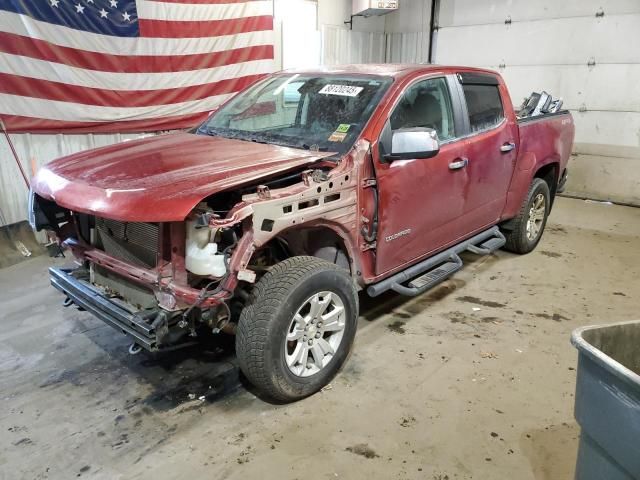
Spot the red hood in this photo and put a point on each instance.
(162, 178)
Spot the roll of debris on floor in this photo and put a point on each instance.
(17, 243)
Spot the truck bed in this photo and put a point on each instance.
(546, 139)
(542, 116)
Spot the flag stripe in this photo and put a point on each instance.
(211, 2)
(18, 123)
(197, 29)
(153, 10)
(43, 50)
(130, 81)
(30, 87)
(127, 65)
(68, 37)
(67, 111)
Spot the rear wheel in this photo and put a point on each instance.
(526, 229)
(298, 328)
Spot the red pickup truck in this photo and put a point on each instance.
(265, 221)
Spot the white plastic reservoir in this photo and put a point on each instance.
(202, 257)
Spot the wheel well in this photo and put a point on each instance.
(319, 242)
(549, 173)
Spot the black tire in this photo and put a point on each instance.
(265, 322)
(518, 240)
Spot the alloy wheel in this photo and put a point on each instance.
(314, 334)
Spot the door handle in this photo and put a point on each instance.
(507, 147)
(459, 163)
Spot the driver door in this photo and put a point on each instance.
(421, 201)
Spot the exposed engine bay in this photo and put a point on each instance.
(176, 281)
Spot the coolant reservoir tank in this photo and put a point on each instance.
(202, 256)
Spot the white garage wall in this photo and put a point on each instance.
(336, 12)
(341, 46)
(407, 32)
(398, 37)
(295, 19)
(364, 43)
(549, 45)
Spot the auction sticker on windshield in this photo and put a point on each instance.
(343, 90)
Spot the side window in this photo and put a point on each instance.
(484, 106)
(426, 104)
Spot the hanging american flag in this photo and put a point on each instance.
(127, 65)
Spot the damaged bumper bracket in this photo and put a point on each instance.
(93, 300)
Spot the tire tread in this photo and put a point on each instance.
(515, 239)
(268, 295)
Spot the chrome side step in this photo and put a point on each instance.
(434, 270)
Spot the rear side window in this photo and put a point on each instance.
(484, 106)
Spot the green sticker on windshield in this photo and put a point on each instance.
(343, 128)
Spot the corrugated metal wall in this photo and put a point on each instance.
(343, 46)
(361, 42)
(410, 47)
(407, 31)
(586, 51)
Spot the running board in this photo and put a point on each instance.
(434, 270)
(490, 246)
(430, 279)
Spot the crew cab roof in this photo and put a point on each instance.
(395, 70)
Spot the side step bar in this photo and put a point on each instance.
(439, 267)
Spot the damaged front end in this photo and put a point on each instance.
(167, 284)
(133, 276)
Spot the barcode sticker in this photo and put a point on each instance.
(343, 90)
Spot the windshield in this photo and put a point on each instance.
(324, 113)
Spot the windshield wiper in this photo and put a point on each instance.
(316, 148)
(236, 135)
(213, 131)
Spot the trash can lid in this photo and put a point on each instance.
(626, 330)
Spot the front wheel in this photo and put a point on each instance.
(298, 328)
(526, 229)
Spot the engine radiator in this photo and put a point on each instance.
(133, 242)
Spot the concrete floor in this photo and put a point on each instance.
(472, 380)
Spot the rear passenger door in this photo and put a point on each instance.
(490, 148)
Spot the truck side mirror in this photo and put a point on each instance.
(408, 143)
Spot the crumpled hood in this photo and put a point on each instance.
(161, 178)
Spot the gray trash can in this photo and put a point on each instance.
(608, 401)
